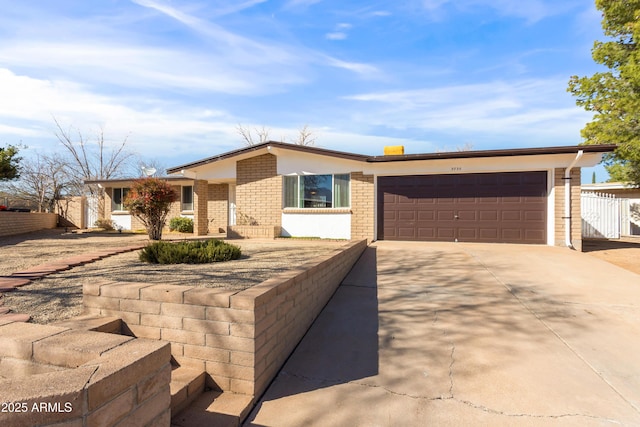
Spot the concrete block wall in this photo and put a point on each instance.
(362, 206)
(218, 208)
(72, 212)
(240, 339)
(258, 191)
(175, 209)
(576, 215)
(12, 223)
(60, 376)
(284, 308)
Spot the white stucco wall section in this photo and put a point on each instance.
(121, 221)
(323, 225)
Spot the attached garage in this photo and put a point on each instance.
(506, 207)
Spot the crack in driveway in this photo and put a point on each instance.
(336, 381)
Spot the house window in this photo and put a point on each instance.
(187, 197)
(119, 195)
(316, 191)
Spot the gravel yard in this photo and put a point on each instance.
(59, 296)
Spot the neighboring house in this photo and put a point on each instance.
(277, 189)
(628, 216)
(620, 190)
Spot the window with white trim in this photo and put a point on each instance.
(316, 191)
(119, 195)
(187, 198)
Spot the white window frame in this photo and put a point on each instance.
(300, 204)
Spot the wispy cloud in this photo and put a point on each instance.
(339, 32)
(337, 35)
(484, 108)
(255, 51)
(155, 126)
(178, 75)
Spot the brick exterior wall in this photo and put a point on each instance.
(200, 208)
(362, 206)
(175, 209)
(258, 191)
(25, 222)
(576, 220)
(241, 339)
(218, 208)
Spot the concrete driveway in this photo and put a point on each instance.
(467, 334)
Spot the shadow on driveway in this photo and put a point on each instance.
(446, 334)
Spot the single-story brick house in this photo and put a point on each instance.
(529, 195)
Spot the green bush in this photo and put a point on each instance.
(182, 225)
(192, 252)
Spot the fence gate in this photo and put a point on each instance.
(92, 211)
(601, 215)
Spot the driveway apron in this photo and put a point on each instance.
(467, 334)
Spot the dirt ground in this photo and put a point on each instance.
(624, 252)
(59, 296)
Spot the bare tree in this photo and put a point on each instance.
(44, 181)
(261, 135)
(92, 159)
(467, 146)
(305, 136)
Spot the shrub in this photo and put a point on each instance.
(149, 200)
(182, 225)
(105, 224)
(192, 252)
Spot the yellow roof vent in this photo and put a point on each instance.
(394, 150)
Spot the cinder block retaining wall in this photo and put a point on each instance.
(25, 222)
(54, 376)
(241, 339)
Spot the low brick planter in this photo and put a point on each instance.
(52, 375)
(240, 338)
(253, 232)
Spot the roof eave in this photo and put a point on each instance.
(274, 144)
(495, 153)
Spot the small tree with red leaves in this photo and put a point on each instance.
(149, 200)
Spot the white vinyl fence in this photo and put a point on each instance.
(601, 215)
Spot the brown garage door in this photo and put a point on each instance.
(507, 207)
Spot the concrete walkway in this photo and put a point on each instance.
(467, 334)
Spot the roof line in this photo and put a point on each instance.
(510, 152)
(602, 148)
(276, 144)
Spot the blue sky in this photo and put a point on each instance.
(177, 77)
